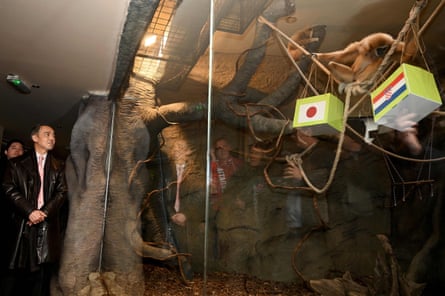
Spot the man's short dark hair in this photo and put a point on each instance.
(35, 129)
(12, 141)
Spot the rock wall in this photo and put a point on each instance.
(249, 234)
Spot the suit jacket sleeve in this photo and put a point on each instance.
(58, 195)
(11, 186)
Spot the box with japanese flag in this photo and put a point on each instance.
(407, 96)
(321, 115)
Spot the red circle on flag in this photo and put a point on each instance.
(311, 111)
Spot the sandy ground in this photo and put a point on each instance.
(168, 281)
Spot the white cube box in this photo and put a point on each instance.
(410, 92)
(320, 115)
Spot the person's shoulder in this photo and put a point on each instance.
(22, 162)
(21, 159)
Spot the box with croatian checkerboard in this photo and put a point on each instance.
(409, 93)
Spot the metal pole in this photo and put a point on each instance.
(107, 181)
(208, 164)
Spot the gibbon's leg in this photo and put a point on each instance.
(345, 75)
(361, 62)
(341, 72)
(366, 64)
(302, 37)
(366, 69)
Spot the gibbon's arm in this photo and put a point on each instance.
(343, 73)
(303, 38)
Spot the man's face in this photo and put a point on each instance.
(222, 150)
(45, 139)
(255, 157)
(16, 149)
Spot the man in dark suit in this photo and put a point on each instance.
(35, 186)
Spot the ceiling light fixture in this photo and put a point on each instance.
(150, 40)
(18, 83)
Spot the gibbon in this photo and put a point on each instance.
(359, 60)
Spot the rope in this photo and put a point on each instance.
(391, 153)
(382, 70)
(414, 13)
(420, 31)
(308, 83)
(366, 94)
(390, 168)
(431, 145)
(297, 157)
(435, 12)
(337, 153)
(262, 20)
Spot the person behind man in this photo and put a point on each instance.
(12, 149)
(242, 204)
(316, 163)
(224, 165)
(33, 241)
(249, 181)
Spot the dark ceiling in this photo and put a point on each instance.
(65, 50)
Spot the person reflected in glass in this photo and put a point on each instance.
(223, 166)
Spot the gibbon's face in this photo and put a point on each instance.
(255, 157)
(222, 150)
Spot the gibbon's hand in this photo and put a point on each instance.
(292, 172)
(405, 123)
(409, 139)
(302, 38)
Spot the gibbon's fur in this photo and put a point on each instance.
(359, 60)
(302, 37)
